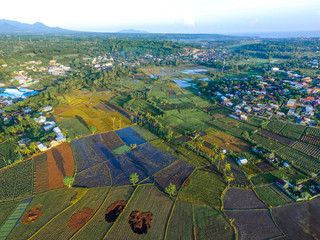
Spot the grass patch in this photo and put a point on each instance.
(121, 150)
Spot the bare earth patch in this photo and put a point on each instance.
(79, 219)
(140, 222)
(32, 215)
(114, 210)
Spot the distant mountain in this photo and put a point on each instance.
(297, 34)
(8, 26)
(132, 31)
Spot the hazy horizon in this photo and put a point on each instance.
(202, 16)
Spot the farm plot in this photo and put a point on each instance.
(313, 131)
(58, 229)
(150, 159)
(301, 220)
(240, 179)
(306, 163)
(271, 197)
(311, 139)
(51, 203)
(7, 154)
(10, 223)
(176, 174)
(181, 223)
(121, 150)
(145, 199)
(210, 224)
(129, 136)
(263, 178)
(98, 226)
(266, 142)
(96, 176)
(111, 140)
(265, 166)
(60, 164)
(275, 126)
(293, 131)
(16, 181)
(41, 173)
(6, 209)
(205, 188)
(74, 127)
(254, 224)
(241, 199)
(121, 168)
(227, 141)
(307, 149)
(276, 137)
(144, 133)
(88, 153)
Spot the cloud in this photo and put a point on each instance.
(189, 20)
(255, 21)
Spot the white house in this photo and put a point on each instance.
(42, 147)
(242, 161)
(47, 109)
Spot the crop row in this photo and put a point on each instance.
(266, 142)
(313, 131)
(293, 131)
(275, 126)
(307, 149)
(311, 139)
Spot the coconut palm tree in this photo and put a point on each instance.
(113, 119)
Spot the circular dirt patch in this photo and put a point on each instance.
(32, 215)
(114, 210)
(79, 219)
(140, 222)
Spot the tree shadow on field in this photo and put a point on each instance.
(81, 120)
(59, 161)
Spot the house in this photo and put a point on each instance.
(49, 125)
(242, 161)
(42, 147)
(47, 109)
(285, 164)
(280, 114)
(244, 117)
(40, 119)
(291, 103)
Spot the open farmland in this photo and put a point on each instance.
(227, 141)
(275, 126)
(12, 220)
(121, 168)
(307, 149)
(240, 179)
(311, 139)
(6, 209)
(96, 176)
(205, 188)
(235, 199)
(16, 181)
(7, 154)
(254, 224)
(60, 164)
(145, 198)
(74, 128)
(211, 224)
(266, 142)
(313, 131)
(293, 131)
(271, 197)
(276, 137)
(52, 203)
(129, 136)
(41, 175)
(176, 174)
(302, 219)
(150, 159)
(98, 226)
(181, 225)
(58, 229)
(111, 140)
(299, 159)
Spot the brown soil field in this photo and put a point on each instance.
(264, 166)
(41, 174)
(242, 199)
(299, 220)
(32, 215)
(79, 219)
(227, 141)
(277, 137)
(111, 140)
(114, 210)
(254, 224)
(60, 164)
(140, 222)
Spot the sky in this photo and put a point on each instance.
(169, 16)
